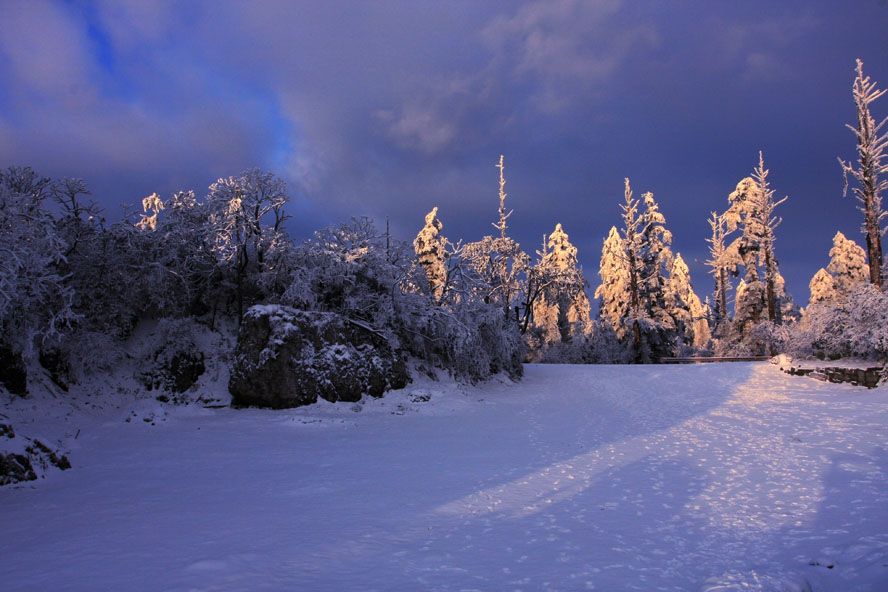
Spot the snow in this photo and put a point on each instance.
(705, 477)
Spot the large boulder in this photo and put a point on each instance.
(287, 358)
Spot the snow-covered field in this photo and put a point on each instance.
(709, 477)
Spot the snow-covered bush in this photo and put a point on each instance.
(346, 269)
(856, 326)
(599, 346)
(91, 353)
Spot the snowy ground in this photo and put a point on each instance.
(708, 477)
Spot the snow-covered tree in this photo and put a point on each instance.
(722, 264)
(685, 306)
(642, 260)
(745, 216)
(656, 261)
(237, 208)
(152, 206)
(187, 253)
(847, 269)
(872, 165)
(68, 194)
(768, 224)
(854, 326)
(614, 292)
(503, 215)
(501, 265)
(349, 270)
(847, 265)
(562, 311)
(752, 212)
(822, 287)
(431, 249)
(36, 303)
(499, 261)
(633, 234)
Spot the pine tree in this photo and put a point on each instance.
(431, 250)
(656, 261)
(847, 265)
(721, 263)
(614, 291)
(822, 288)
(769, 222)
(743, 215)
(685, 306)
(871, 165)
(752, 212)
(562, 311)
(633, 233)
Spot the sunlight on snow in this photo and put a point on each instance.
(754, 479)
(563, 480)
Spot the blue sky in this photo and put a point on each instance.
(389, 108)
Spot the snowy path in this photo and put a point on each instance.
(711, 477)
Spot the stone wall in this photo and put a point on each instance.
(868, 377)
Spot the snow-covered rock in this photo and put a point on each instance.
(172, 360)
(26, 459)
(287, 357)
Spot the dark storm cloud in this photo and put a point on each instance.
(391, 108)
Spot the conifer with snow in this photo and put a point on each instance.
(847, 265)
(686, 308)
(656, 262)
(761, 295)
(722, 262)
(822, 287)
(562, 310)
(872, 164)
(431, 250)
(613, 293)
(769, 222)
(633, 233)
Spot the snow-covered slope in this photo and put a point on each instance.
(709, 477)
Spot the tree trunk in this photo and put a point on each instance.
(770, 295)
(635, 304)
(873, 245)
(722, 296)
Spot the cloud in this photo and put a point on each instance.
(45, 52)
(761, 47)
(565, 48)
(419, 127)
